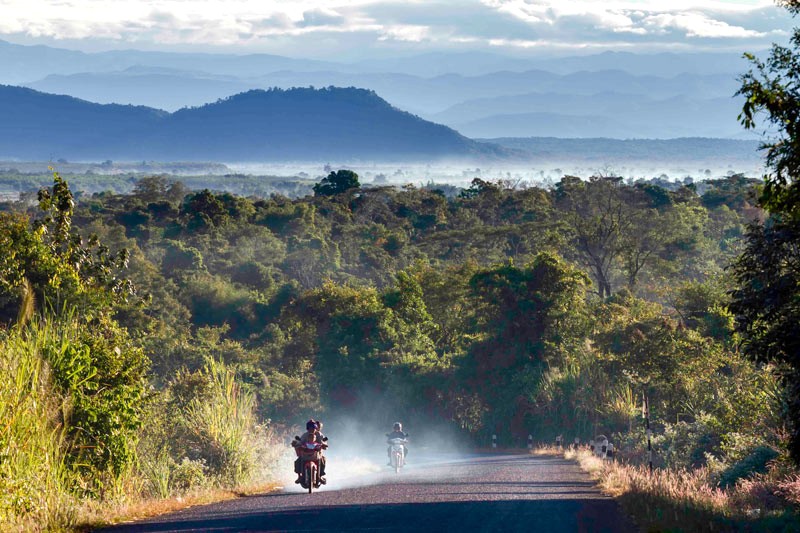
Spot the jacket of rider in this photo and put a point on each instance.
(305, 436)
(397, 435)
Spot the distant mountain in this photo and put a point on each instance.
(480, 94)
(440, 63)
(476, 63)
(162, 88)
(607, 114)
(424, 96)
(25, 64)
(667, 64)
(297, 124)
(688, 150)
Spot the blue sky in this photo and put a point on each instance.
(373, 28)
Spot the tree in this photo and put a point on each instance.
(528, 318)
(151, 188)
(767, 300)
(337, 182)
(597, 216)
(56, 261)
(204, 211)
(773, 88)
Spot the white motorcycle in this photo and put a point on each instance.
(397, 453)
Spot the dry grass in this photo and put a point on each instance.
(96, 514)
(689, 500)
(546, 450)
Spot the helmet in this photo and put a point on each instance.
(398, 426)
(311, 425)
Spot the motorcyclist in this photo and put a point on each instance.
(312, 434)
(397, 433)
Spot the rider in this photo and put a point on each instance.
(397, 433)
(312, 434)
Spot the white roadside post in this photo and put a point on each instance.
(530, 442)
(494, 441)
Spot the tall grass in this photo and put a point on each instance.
(690, 500)
(34, 480)
(224, 422)
(37, 486)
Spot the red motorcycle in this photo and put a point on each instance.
(310, 454)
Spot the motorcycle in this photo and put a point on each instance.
(310, 454)
(397, 453)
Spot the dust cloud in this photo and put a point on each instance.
(357, 454)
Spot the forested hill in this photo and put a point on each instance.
(299, 124)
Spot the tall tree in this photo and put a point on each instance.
(767, 300)
(598, 217)
(337, 182)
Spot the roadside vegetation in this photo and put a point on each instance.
(179, 340)
(709, 498)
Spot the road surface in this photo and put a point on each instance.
(473, 493)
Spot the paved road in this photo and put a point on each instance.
(476, 493)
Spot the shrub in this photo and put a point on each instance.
(188, 475)
(223, 426)
(755, 463)
(689, 443)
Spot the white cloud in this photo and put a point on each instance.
(697, 25)
(286, 25)
(406, 33)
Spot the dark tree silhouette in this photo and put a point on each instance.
(337, 182)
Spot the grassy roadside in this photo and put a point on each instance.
(96, 515)
(688, 500)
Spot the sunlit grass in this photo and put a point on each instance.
(689, 500)
(33, 476)
(97, 514)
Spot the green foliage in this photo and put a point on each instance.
(336, 183)
(202, 429)
(688, 444)
(222, 423)
(531, 315)
(95, 366)
(765, 303)
(768, 279)
(257, 310)
(34, 478)
(772, 89)
(56, 261)
(755, 463)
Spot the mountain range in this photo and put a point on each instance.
(479, 94)
(295, 124)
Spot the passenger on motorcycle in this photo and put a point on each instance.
(397, 433)
(312, 434)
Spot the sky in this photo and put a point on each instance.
(359, 29)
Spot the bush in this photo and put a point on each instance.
(188, 475)
(223, 425)
(755, 463)
(688, 444)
